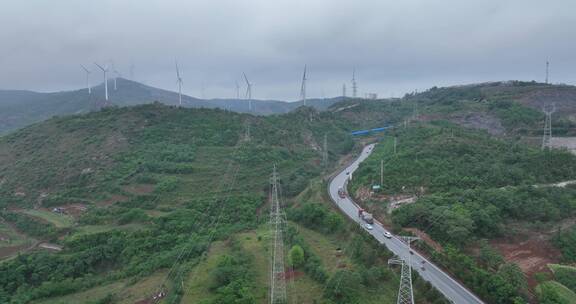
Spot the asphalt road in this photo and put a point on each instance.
(439, 279)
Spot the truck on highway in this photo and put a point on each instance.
(341, 193)
(365, 216)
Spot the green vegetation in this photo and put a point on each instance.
(566, 241)
(58, 220)
(565, 275)
(470, 187)
(552, 292)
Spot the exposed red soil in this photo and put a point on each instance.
(139, 189)
(531, 254)
(8, 251)
(292, 274)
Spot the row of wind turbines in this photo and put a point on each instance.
(105, 69)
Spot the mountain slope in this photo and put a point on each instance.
(21, 108)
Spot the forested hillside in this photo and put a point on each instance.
(473, 191)
(131, 201)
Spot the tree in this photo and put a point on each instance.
(296, 256)
(343, 287)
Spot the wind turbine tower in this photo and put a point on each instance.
(87, 79)
(237, 91)
(303, 87)
(547, 70)
(105, 71)
(248, 92)
(132, 72)
(354, 84)
(117, 74)
(179, 81)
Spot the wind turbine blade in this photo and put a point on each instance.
(85, 69)
(103, 69)
(246, 79)
(177, 70)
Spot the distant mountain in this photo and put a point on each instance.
(21, 108)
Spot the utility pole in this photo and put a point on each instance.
(277, 222)
(395, 143)
(548, 127)
(325, 151)
(415, 111)
(405, 292)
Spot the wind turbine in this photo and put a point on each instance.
(179, 81)
(248, 92)
(303, 87)
(105, 70)
(117, 75)
(87, 79)
(237, 90)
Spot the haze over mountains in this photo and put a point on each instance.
(20, 108)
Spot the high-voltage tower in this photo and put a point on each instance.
(277, 224)
(548, 126)
(405, 292)
(354, 84)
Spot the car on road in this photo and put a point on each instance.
(387, 234)
(368, 226)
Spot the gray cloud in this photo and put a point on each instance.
(396, 46)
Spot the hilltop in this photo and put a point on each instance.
(21, 108)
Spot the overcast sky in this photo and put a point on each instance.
(396, 46)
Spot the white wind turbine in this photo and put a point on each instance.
(105, 70)
(179, 81)
(248, 92)
(87, 79)
(116, 77)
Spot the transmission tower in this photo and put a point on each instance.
(548, 126)
(247, 131)
(405, 292)
(325, 151)
(303, 87)
(344, 90)
(277, 222)
(354, 84)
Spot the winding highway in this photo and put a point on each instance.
(451, 289)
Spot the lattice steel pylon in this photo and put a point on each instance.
(405, 292)
(277, 224)
(547, 137)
